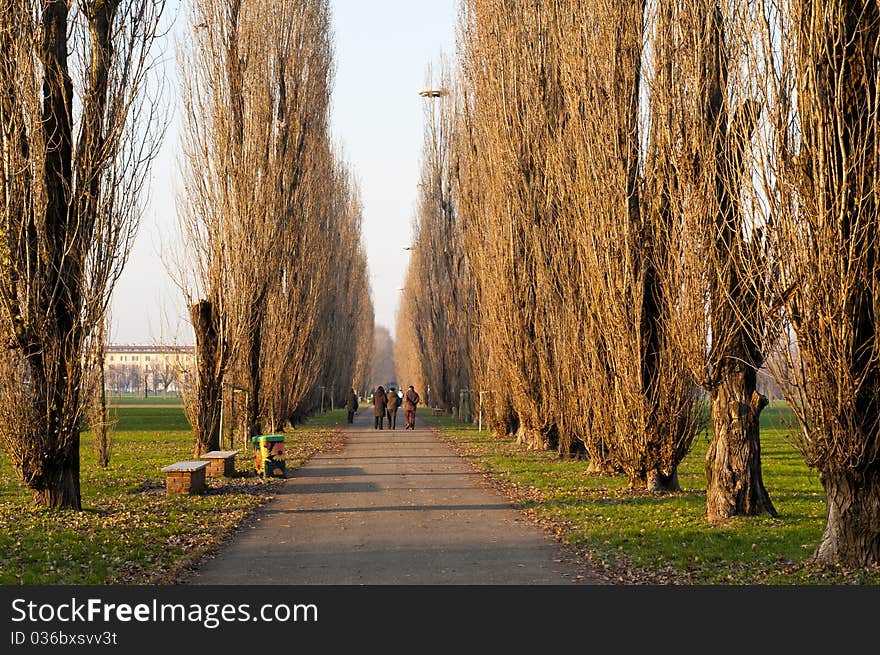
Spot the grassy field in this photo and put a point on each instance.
(641, 537)
(130, 531)
(170, 400)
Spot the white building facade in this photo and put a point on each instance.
(147, 370)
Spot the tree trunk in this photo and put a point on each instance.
(575, 450)
(101, 433)
(210, 366)
(660, 482)
(653, 480)
(601, 467)
(852, 519)
(530, 439)
(101, 430)
(61, 481)
(735, 484)
(254, 374)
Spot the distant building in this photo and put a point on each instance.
(147, 369)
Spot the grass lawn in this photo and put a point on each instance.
(642, 537)
(127, 399)
(131, 532)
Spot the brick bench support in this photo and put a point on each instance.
(185, 477)
(220, 463)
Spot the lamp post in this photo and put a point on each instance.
(432, 94)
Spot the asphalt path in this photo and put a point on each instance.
(393, 507)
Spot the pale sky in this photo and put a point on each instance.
(383, 49)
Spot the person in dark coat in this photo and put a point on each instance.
(351, 405)
(391, 405)
(410, 401)
(379, 403)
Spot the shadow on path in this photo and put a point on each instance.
(394, 507)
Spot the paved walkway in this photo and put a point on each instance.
(394, 507)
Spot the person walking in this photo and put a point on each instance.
(379, 403)
(351, 405)
(410, 401)
(391, 405)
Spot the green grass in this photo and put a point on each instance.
(637, 537)
(130, 532)
(138, 399)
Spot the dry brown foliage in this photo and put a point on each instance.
(703, 122)
(509, 114)
(817, 68)
(437, 308)
(561, 235)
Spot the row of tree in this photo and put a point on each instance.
(271, 262)
(628, 206)
(437, 303)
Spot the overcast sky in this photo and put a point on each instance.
(383, 49)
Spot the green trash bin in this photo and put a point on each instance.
(269, 455)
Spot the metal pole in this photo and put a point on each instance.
(247, 436)
(222, 404)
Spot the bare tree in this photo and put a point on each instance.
(636, 402)
(510, 115)
(77, 142)
(270, 215)
(383, 370)
(363, 326)
(167, 375)
(817, 66)
(202, 263)
(320, 318)
(702, 125)
(438, 304)
(102, 421)
(350, 312)
(563, 237)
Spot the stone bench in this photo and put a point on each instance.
(185, 477)
(220, 463)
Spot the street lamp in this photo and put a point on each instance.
(433, 93)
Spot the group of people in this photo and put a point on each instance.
(385, 406)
